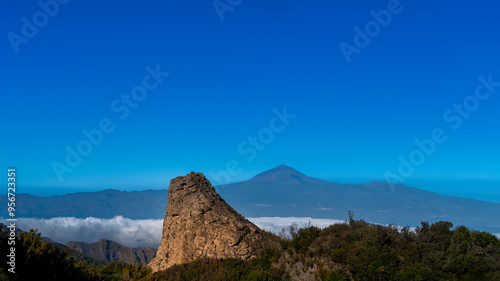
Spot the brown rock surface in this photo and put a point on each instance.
(199, 223)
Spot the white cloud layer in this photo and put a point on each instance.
(136, 233)
(275, 224)
(128, 232)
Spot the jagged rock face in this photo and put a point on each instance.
(199, 223)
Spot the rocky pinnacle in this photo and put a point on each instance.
(199, 223)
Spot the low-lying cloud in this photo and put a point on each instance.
(276, 224)
(139, 233)
(136, 233)
(125, 231)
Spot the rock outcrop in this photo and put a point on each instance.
(199, 223)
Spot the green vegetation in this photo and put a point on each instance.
(367, 251)
(40, 260)
(228, 269)
(355, 250)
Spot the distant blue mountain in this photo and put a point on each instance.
(285, 192)
(102, 204)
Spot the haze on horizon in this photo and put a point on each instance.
(267, 83)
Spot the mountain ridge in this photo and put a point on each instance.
(283, 174)
(108, 250)
(252, 179)
(281, 192)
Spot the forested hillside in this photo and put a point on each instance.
(355, 250)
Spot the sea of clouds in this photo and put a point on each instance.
(276, 224)
(135, 233)
(139, 233)
(125, 231)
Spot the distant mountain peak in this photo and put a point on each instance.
(282, 174)
(283, 167)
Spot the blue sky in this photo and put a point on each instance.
(354, 115)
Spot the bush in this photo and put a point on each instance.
(355, 250)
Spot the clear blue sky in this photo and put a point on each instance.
(352, 119)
